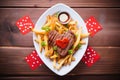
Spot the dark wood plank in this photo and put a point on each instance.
(71, 3)
(98, 77)
(12, 63)
(108, 18)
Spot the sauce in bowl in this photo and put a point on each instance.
(64, 17)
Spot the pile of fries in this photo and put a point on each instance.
(52, 23)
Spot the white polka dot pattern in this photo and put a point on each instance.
(33, 60)
(93, 26)
(24, 24)
(90, 56)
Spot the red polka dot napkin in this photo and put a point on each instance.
(90, 57)
(24, 24)
(33, 60)
(93, 26)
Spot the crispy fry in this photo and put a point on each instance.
(50, 52)
(62, 62)
(69, 59)
(85, 35)
(74, 31)
(39, 40)
(82, 42)
(66, 62)
(46, 47)
(39, 32)
(78, 38)
(54, 56)
(60, 25)
(73, 25)
(73, 58)
(54, 62)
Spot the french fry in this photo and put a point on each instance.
(72, 22)
(73, 58)
(52, 25)
(73, 25)
(66, 62)
(50, 52)
(74, 31)
(54, 62)
(39, 39)
(39, 32)
(78, 38)
(46, 47)
(62, 62)
(60, 25)
(82, 42)
(54, 56)
(85, 35)
(70, 59)
(60, 30)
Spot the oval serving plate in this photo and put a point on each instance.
(78, 55)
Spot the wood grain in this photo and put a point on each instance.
(107, 17)
(12, 63)
(85, 77)
(49, 3)
(14, 46)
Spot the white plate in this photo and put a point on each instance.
(78, 55)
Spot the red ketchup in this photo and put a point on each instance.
(62, 43)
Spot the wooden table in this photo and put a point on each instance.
(14, 46)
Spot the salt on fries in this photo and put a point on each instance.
(52, 23)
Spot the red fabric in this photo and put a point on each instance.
(90, 57)
(33, 60)
(24, 24)
(93, 26)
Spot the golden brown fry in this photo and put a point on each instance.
(69, 59)
(62, 62)
(73, 25)
(46, 47)
(39, 39)
(53, 21)
(85, 35)
(74, 31)
(50, 52)
(78, 38)
(54, 56)
(54, 62)
(60, 25)
(66, 62)
(70, 27)
(72, 22)
(39, 32)
(82, 42)
(73, 58)
(59, 29)
(48, 21)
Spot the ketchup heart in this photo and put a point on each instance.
(62, 43)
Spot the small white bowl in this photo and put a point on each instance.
(64, 17)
